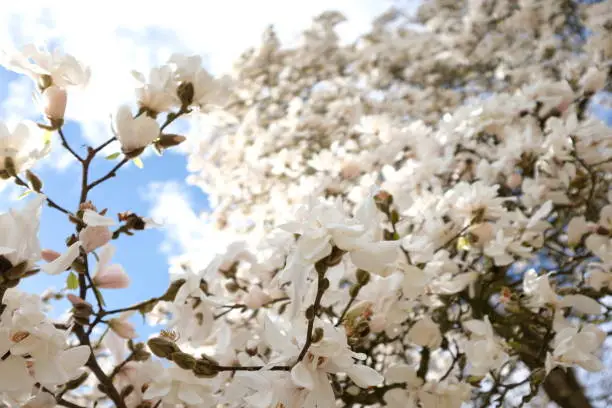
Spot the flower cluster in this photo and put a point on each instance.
(422, 218)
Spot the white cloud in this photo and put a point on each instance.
(186, 232)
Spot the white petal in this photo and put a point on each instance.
(364, 376)
(188, 394)
(477, 327)
(581, 303)
(301, 376)
(75, 358)
(64, 261)
(157, 391)
(542, 212)
(14, 375)
(94, 219)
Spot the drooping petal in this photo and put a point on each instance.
(63, 261)
(302, 377)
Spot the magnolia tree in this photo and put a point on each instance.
(421, 218)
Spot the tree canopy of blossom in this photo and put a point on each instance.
(420, 218)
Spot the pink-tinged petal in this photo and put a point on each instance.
(74, 299)
(64, 261)
(123, 328)
(49, 255)
(54, 101)
(94, 237)
(112, 277)
(301, 376)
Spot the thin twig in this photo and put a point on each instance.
(111, 173)
(68, 147)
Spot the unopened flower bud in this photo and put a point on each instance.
(82, 310)
(35, 181)
(185, 92)
(203, 369)
(363, 329)
(54, 101)
(162, 347)
(363, 277)
(383, 200)
(183, 360)
(335, 257)
(317, 335)
(44, 81)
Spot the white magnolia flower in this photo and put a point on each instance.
(19, 235)
(175, 386)
(158, 93)
(206, 89)
(134, 134)
(20, 145)
(542, 294)
(36, 350)
(381, 301)
(63, 69)
(330, 354)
